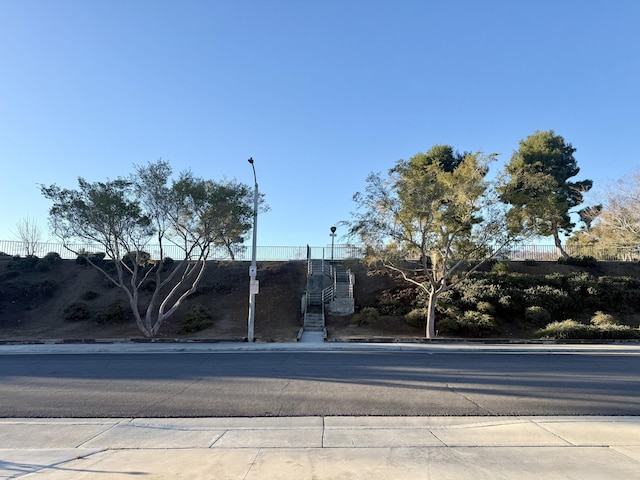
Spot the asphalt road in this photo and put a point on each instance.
(319, 383)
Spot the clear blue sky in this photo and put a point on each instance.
(319, 93)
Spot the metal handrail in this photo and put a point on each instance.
(328, 294)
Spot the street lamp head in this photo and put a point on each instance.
(333, 229)
(255, 179)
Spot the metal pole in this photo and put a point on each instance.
(333, 237)
(253, 269)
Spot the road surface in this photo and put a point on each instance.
(301, 383)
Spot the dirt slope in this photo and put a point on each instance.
(32, 303)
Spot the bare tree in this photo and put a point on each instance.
(619, 221)
(29, 234)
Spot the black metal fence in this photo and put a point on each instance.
(240, 252)
(550, 253)
(336, 252)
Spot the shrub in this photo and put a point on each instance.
(76, 311)
(81, 258)
(446, 326)
(195, 320)
(167, 263)
(570, 329)
(476, 290)
(486, 307)
(584, 286)
(519, 281)
(476, 323)
(49, 260)
(89, 295)
(500, 267)
(114, 313)
(48, 288)
(25, 264)
(416, 317)
(601, 319)
(553, 299)
(52, 258)
(109, 266)
(446, 299)
(97, 258)
(490, 262)
(620, 294)
(42, 266)
(556, 280)
(567, 329)
(613, 331)
(396, 301)
(529, 262)
(142, 258)
(511, 302)
(536, 315)
(365, 316)
(585, 261)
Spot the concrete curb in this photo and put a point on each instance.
(310, 346)
(352, 340)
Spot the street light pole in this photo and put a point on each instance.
(253, 269)
(333, 237)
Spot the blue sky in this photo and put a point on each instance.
(318, 93)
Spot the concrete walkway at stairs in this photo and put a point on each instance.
(312, 336)
(322, 448)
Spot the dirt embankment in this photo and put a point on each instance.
(33, 304)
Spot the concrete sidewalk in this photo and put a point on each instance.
(322, 448)
(314, 343)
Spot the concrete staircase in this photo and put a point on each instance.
(313, 302)
(329, 288)
(314, 312)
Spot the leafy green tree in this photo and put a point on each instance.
(537, 186)
(124, 215)
(431, 217)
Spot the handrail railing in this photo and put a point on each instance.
(327, 294)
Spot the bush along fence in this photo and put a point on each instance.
(336, 252)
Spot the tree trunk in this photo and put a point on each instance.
(556, 239)
(142, 324)
(431, 315)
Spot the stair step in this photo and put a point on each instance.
(343, 291)
(314, 328)
(313, 321)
